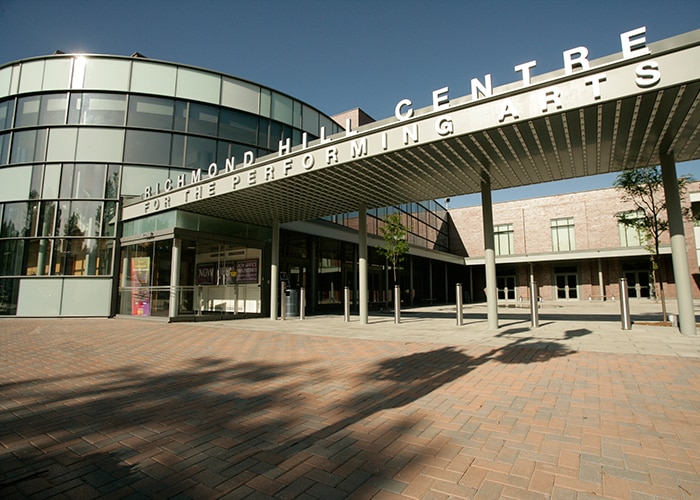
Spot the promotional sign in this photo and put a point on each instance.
(140, 277)
(242, 271)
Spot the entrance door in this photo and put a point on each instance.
(638, 284)
(566, 286)
(506, 287)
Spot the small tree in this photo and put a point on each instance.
(395, 236)
(643, 187)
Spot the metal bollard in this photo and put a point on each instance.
(397, 304)
(534, 312)
(302, 301)
(460, 312)
(625, 305)
(283, 301)
(346, 298)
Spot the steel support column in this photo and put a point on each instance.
(489, 253)
(275, 269)
(364, 276)
(679, 252)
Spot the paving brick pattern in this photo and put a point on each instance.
(112, 408)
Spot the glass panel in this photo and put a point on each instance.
(151, 112)
(38, 257)
(147, 147)
(282, 108)
(9, 291)
(31, 76)
(203, 119)
(265, 102)
(62, 144)
(35, 186)
(177, 154)
(57, 74)
(4, 148)
(11, 257)
(52, 181)
(5, 79)
(264, 133)
(238, 126)
(571, 283)
(47, 219)
(198, 85)
(16, 220)
(53, 109)
(108, 74)
(103, 109)
(136, 178)
(79, 218)
(200, 152)
(23, 144)
(240, 95)
(6, 110)
(180, 121)
(152, 78)
(88, 181)
(15, 182)
(112, 186)
(309, 118)
(100, 145)
(28, 111)
(109, 220)
(66, 180)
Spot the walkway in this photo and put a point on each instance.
(323, 409)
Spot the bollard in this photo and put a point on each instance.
(625, 305)
(534, 312)
(302, 301)
(283, 301)
(346, 306)
(460, 314)
(397, 304)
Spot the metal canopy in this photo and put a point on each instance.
(556, 128)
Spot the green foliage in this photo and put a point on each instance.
(643, 188)
(395, 236)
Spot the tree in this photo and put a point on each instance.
(395, 236)
(643, 187)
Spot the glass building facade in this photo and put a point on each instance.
(79, 135)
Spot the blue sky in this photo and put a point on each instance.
(340, 55)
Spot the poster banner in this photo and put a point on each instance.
(247, 271)
(140, 277)
(242, 272)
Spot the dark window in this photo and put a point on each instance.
(151, 112)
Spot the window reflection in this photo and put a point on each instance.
(6, 111)
(53, 109)
(27, 111)
(97, 109)
(203, 119)
(79, 218)
(200, 152)
(16, 220)
(151, 112)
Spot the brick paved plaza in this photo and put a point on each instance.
(118, 407)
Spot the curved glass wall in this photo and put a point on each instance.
(79, 133)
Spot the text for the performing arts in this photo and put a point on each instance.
(647, 74)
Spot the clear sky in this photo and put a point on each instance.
(338, 55)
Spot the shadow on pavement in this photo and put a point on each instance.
(215, 425)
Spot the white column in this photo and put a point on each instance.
(173, 306)
(679, 252)
(601, 284)
(489, 254)
(275, 269)
(363, 270)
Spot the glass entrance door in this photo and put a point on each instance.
(638, 284)
(567, 286)
(506, 287)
